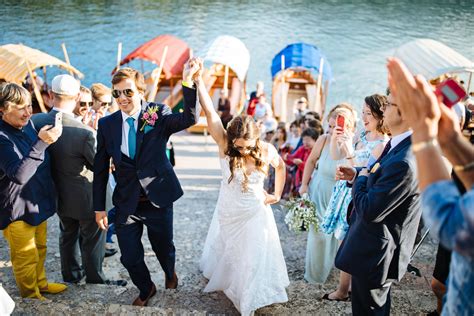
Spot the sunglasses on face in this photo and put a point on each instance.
(246, 148)
(85, 104)
(126, 92)
(105, 104)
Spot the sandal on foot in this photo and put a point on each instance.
(345, 299)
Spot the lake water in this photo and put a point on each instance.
(356, 36)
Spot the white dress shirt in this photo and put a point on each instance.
(125, 130)
(394, 141)
(398, 139)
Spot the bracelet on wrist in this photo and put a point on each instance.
(467, 167)
(188, 84)
(417, 147)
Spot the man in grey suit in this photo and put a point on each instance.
(72, 162)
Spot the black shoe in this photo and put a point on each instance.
(116, 282)
(110, 252)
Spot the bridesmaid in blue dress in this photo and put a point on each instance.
(321, 168)
(368, 145)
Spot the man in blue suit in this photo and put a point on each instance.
(134, 140)
(384, 220)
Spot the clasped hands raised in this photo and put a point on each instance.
(193, 70)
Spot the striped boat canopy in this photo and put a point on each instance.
(230, 51)
(432, 59)
(13, 59)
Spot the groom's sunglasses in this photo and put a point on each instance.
(126, 92)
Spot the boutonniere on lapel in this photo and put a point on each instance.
(374, 167)
(149, 118)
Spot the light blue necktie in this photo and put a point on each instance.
(132, 138)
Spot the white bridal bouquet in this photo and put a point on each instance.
(301, 214)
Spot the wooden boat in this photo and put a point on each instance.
(299, 70)
(163, 83)
(17, 61)
(443, 60)
(229, 61)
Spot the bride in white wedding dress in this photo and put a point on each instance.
(242, 255)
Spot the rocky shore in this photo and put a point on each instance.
(198, 168)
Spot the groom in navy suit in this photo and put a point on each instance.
(384, 220)
(134, 141)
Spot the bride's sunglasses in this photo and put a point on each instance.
(126, 92)
(246, 148)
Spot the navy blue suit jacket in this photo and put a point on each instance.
(150, 172)
(384, 221)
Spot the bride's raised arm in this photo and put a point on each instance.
(214, 123)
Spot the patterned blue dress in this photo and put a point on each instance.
(334, 220)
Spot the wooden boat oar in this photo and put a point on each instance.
(35, 86)
(119, 55)
(468, 87)
(226, 79)
(318, 87)
(283, 106)
(156, 78)
(66, 57)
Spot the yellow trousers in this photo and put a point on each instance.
(28, 253)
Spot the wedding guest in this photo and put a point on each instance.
(294, 136)
(367, 147)
(263, 110)
(300, 108)
(300, 156)
(278, 141)
(81, 241)
(101, 102)
(321, 248)
(384, 218)
(449, 215)
(223, 108)
(82, 111)
(253, 100)
(26, 190)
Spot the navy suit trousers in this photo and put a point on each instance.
(367, 301)
(159, 223)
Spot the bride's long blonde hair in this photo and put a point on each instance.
(243, 127)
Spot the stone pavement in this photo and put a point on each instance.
(198, 169)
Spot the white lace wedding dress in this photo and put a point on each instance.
(242, 255)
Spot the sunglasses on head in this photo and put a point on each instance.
(126, 92)
(84, 104)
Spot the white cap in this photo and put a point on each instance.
(65, 85)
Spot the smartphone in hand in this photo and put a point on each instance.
(58, 119)
(340, 122)
(451, 92)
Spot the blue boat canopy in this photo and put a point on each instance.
(302, 55)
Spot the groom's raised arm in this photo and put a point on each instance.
(177, 122)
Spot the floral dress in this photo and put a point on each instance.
(334, 219)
